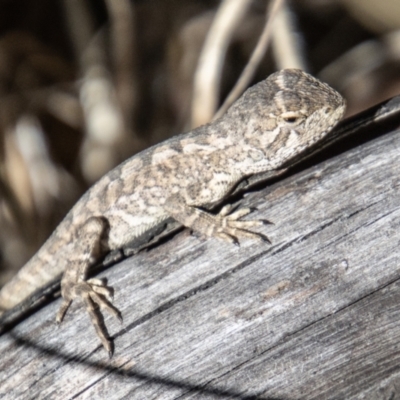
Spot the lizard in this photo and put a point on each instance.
(182, 178)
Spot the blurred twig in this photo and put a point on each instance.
(123, 50)
(286, 44)
(80, 26)
(256, 57)
(106, 140)
(208, 74)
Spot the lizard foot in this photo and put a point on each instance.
(228, 226)
(95, 295)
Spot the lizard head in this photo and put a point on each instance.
(285, 115)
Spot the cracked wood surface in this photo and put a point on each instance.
(315, 315)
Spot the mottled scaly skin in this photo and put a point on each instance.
(272, 123)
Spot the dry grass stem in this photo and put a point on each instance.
(287, 49)
(208, 74)
(123, 48)
(254, 61)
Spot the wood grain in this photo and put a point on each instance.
(315, 315)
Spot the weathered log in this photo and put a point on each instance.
(313, 315)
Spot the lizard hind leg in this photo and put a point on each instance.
(94, 292)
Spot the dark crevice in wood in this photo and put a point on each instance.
(373, 221)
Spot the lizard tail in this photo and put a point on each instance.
(28, 280)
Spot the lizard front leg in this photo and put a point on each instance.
(225, 225)
(93, 292)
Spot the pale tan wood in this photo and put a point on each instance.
(315, 315)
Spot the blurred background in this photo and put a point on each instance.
(84, 84)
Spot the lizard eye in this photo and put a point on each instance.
(291, 117)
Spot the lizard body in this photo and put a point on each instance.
(272, 123)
